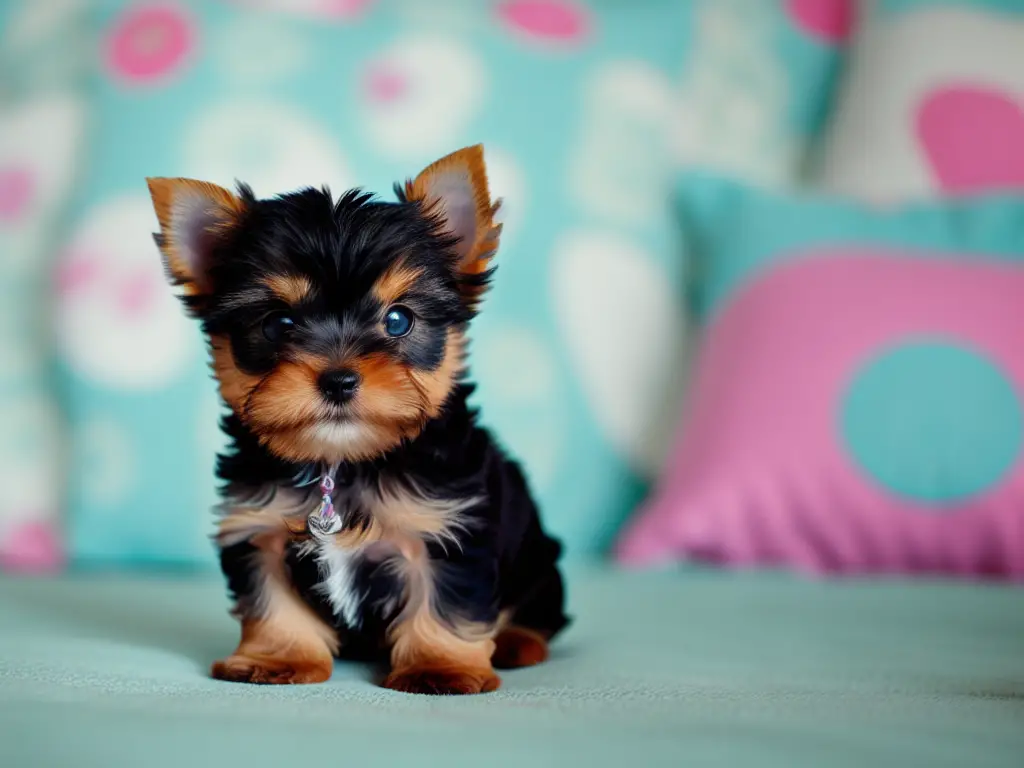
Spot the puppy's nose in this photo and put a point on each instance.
(339, 386)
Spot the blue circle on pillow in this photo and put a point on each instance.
(935, 422)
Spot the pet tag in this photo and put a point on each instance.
(324, 522)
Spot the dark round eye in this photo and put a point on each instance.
(398, 321)
(277, 327)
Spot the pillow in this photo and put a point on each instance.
(933, 102)
(42, 117)
(756, 85)
(857, 399)
(574, 103)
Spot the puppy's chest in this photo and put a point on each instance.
(384, 542)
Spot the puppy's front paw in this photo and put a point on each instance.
(443, 681)
(269, 671)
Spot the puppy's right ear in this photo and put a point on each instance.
(195, 217)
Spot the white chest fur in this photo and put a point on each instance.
(390, 523)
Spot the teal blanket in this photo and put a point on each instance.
(673, 669)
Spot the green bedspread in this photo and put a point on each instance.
(681, 668)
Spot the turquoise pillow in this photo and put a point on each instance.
(779, 227)
(578, 346)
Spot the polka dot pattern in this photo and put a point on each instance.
(16, 190)
(576, 105)
(321, 10)
(148, 43)
(31, 548)
(932, 421)
(419, 93)
(118, 324)
(944, 86)
(973, 137)
(548, 21)
(830, 21)
(845, 416)
(39, 141)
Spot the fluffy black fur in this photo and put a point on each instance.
(503, 559)
(343, 247)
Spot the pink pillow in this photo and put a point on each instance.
(855, 407)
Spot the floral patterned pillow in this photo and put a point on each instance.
(584, 109)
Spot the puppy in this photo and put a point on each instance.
(365, 513)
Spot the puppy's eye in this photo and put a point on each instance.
(277, 327)
(397, 322)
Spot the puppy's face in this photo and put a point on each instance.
(336, 327)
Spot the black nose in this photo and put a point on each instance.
(339, 386)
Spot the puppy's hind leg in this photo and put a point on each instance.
(535, 604)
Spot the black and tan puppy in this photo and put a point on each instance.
(338, 331)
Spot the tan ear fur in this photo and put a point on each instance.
(192, 215)
(455, 189)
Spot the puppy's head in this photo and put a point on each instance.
(336, 326)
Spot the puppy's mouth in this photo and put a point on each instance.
(334, 416)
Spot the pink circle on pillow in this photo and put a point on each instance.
(384, 84)
(76, 271)
(147, 43)
(133, 292)
(337, 10)
(136, 293)
(16, 189)
(973, 138)
(557, 21)
(761, 476)
(344, 9)
(830, 21)
(31, 547)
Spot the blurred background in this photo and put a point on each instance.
(759, 304)
(591, 114)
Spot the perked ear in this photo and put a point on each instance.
(455, 189)
(193, 216)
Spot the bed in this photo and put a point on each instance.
(677, 667)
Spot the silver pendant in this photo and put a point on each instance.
(323, 522)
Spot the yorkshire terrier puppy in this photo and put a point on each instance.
(364, 510)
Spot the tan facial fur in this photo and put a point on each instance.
(291, 289)
(285, 408)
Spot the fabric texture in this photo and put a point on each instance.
(659, 669)
(42, 127)
(856, 404)
(577, 107)
(756, 85)
(931, 104)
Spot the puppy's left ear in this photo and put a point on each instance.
(455, 190)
